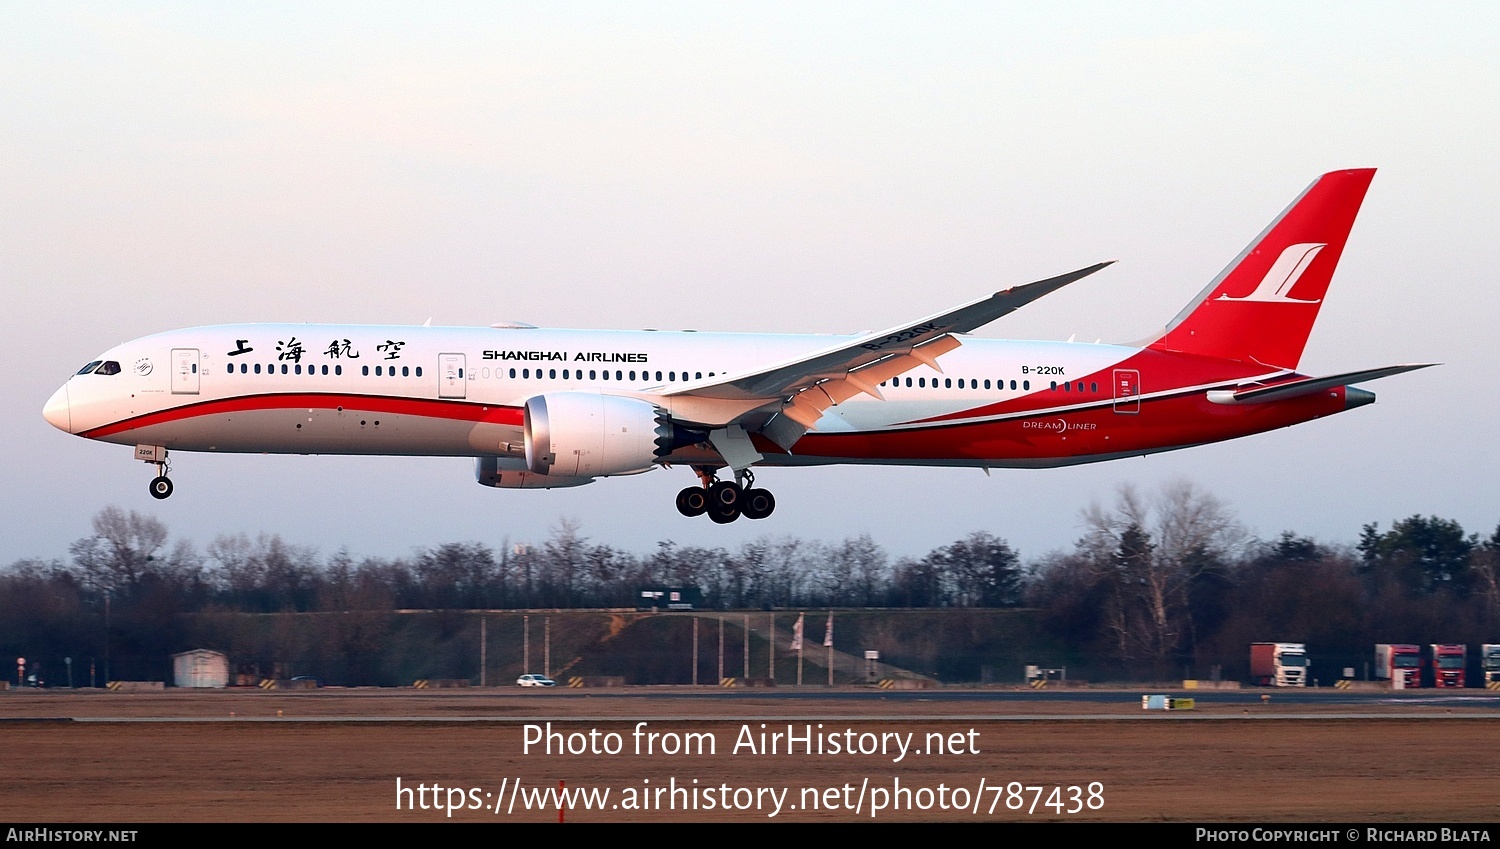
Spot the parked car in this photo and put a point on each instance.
(531, 679)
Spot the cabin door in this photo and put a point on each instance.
(451, 376)
(184, 371)
(1127, 390)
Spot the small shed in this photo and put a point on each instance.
(200, 668)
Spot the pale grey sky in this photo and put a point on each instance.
(798, 167)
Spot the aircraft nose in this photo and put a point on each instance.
(57, 412)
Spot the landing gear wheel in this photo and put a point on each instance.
(723, 515)
(692, 501)
(757, 503)
(161, 486)
(725, 495)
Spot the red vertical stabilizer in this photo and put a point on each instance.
(1262, 307)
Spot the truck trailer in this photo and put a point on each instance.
(1399, 663)
(1278, 664)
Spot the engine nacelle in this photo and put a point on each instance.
(511, 473)
(586, 434)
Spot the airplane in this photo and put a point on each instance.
(544, 408)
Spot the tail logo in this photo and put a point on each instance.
(1284, 274)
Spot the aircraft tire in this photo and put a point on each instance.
(161, 487)
(724, 495)
(757, 503)
(724, 515)
(692, 501)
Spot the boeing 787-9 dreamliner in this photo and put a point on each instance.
(557, 408)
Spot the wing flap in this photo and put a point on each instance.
(911, 339)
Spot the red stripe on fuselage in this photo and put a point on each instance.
(1074, 435)
(426, 407)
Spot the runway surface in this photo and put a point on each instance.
(713, 756)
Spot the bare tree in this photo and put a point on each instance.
(852, 571)
(1151, 551)
(121, 551)
(1484, 565)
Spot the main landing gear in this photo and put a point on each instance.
(725, 501)
(161, 485)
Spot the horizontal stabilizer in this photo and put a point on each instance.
(1260, 393)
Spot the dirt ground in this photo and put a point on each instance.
(337, 756)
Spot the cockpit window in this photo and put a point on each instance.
(90, 367)
(108, 367)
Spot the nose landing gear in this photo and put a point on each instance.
(725, 501)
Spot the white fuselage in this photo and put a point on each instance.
(360, 389)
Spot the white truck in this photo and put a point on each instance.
(1489, 660)
(1400, 664)
(1278, 664)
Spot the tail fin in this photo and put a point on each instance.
(1262, 307)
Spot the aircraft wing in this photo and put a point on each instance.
(919, 339)
(785, 400)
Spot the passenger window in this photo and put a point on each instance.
(551, 373)
(1025, 384)
(697, 375)
(379, 372)
(336, 369)
(593, 375)
(406, 372)
(257, 368)
(365, 370)
(299, 368)
(619, 375)
(1093, 387)
(231, 368)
